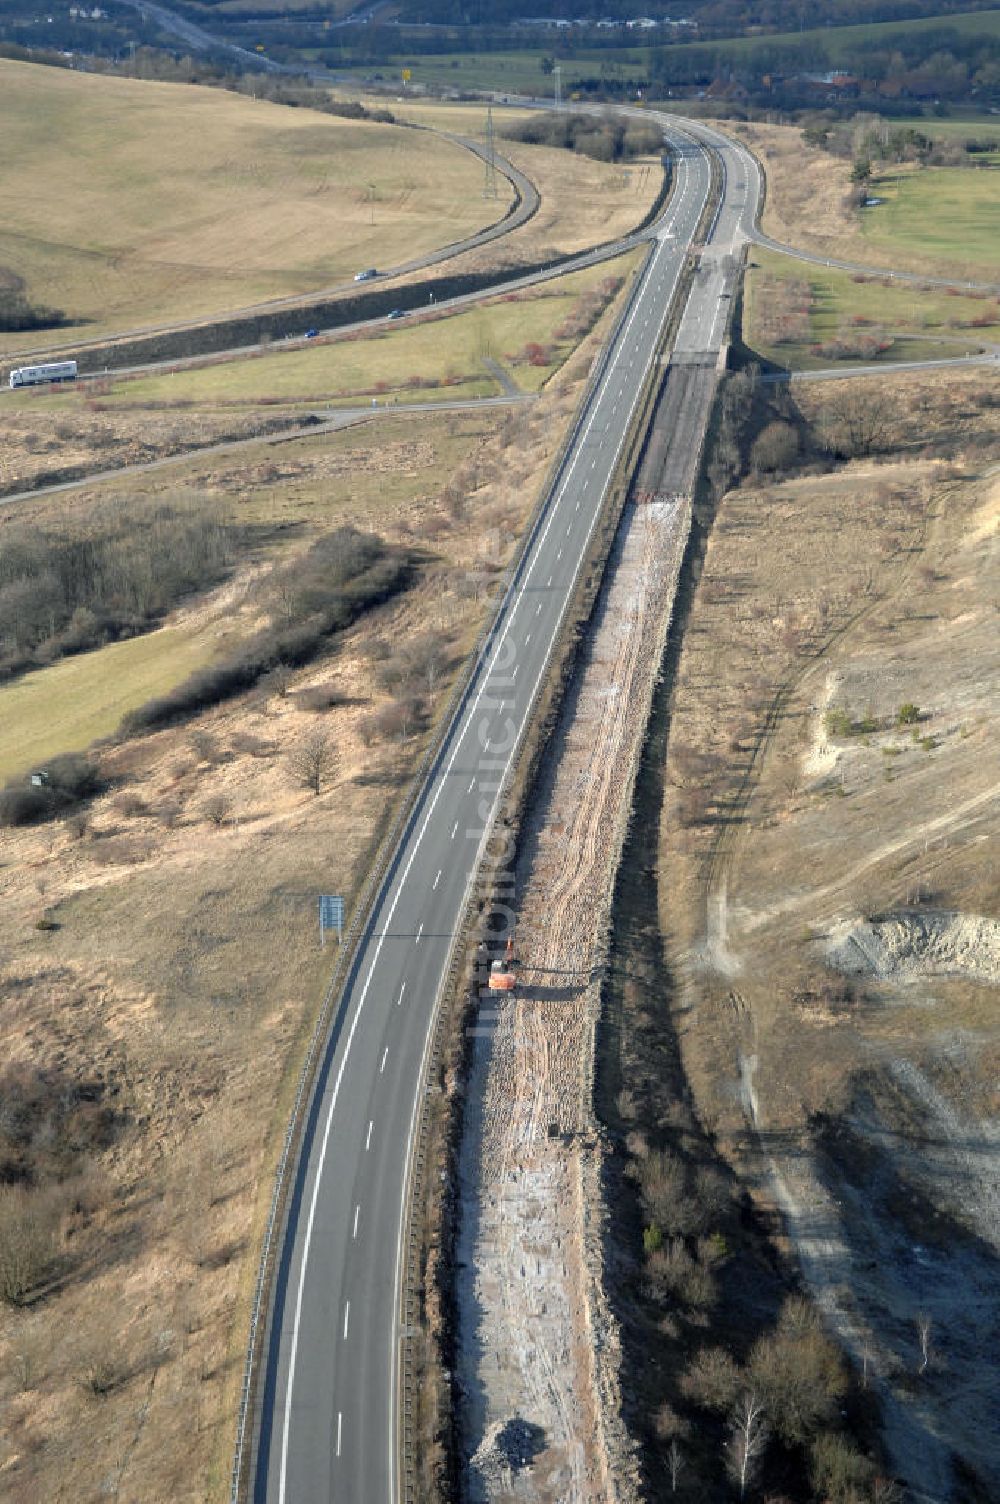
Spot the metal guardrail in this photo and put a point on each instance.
(364, 908)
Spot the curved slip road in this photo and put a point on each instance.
(326, 1425)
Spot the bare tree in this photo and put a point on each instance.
(747, 1441)
(314, 760)
(675, 1462)
(924, 1333)
(858, 419)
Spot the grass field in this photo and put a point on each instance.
(448, 353)
(66, 707)
(178, 201)
(924, 325)
(952, 214)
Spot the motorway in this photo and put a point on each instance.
(326, 1425)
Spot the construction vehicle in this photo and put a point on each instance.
(502, 978)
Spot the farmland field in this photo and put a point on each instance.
(178, 201)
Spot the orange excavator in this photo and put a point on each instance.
(502, 978)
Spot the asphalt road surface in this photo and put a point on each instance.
(326, 1428)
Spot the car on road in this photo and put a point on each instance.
(397, 313)
(367, 275)
(311, 333)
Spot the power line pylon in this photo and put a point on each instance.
(490, 185)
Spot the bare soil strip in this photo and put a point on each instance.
(538, 1347)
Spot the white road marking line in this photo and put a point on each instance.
(400, 997)
(558, 556)
(454, 829)
(538, 609)
(368, 1140)
(357, 1214)
(513, 672)
(340, 1421)
(471, 787)
(420, 932)
(437, 879)
(527, 639)
(347, 1317)
(385, 1056)
(548, 582)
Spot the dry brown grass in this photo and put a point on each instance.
(197, 200)
(863, 1108)
(157, 978)
(71, 432)
(583, 201)
(815, 591)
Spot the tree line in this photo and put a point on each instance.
(607, 138)
(69, 590)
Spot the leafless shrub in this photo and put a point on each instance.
(314, 760)
(672, 1271)
(130, 805)
(252, 746)
(206, 747)
(168, 813)
(799, 1373)
(775, 448)
(839, 1472)
(320, 697)
(712, 1380)
(29, 1225)
(120, 851)
(216, 809)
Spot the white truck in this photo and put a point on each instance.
(57, 370)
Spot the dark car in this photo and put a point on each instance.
(366, 275)
(311, 333)
(397, 313)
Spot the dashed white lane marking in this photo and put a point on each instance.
(471, 787)
(558, 555)
(385, 1056)
(347, 1317)
(340, 1422)
(538, 609)
(420, 932)
(513, 672)
(527, 639)
(400, 997)
(437, 879)
(368, 1139)
(357, 1214)
(454, 828)
(548, 582)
